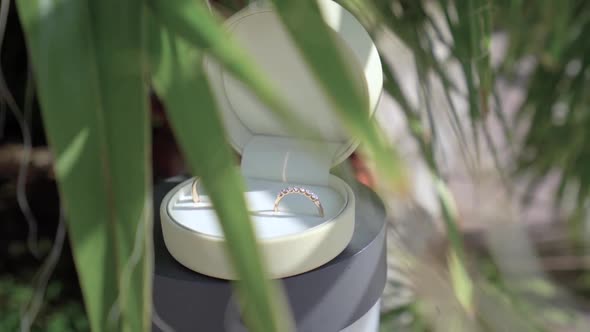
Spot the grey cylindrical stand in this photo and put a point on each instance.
(326, 299)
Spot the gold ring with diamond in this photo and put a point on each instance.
(301, 191)
(194, 191)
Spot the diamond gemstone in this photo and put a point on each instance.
(301, 190)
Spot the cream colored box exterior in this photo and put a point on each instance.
(285, 256)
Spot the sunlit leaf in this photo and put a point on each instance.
(193, 21)
(87, 57)
(306, 26)
(180, 80)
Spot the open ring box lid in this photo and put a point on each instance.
(295, 239)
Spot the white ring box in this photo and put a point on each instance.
(295, 239)
(341, 295)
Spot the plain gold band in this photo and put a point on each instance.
(301, 191)
(195, 191)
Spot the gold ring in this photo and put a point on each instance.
(301, 191)
(195, 192)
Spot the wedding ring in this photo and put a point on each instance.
(301, 191)
(195, 191)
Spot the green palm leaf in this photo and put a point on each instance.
(87, 57)
(179, 79)
(192, 21)
(306, 26)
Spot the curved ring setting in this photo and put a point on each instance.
(195, 191)
(301, 191)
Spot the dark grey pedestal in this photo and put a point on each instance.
(326, 299)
